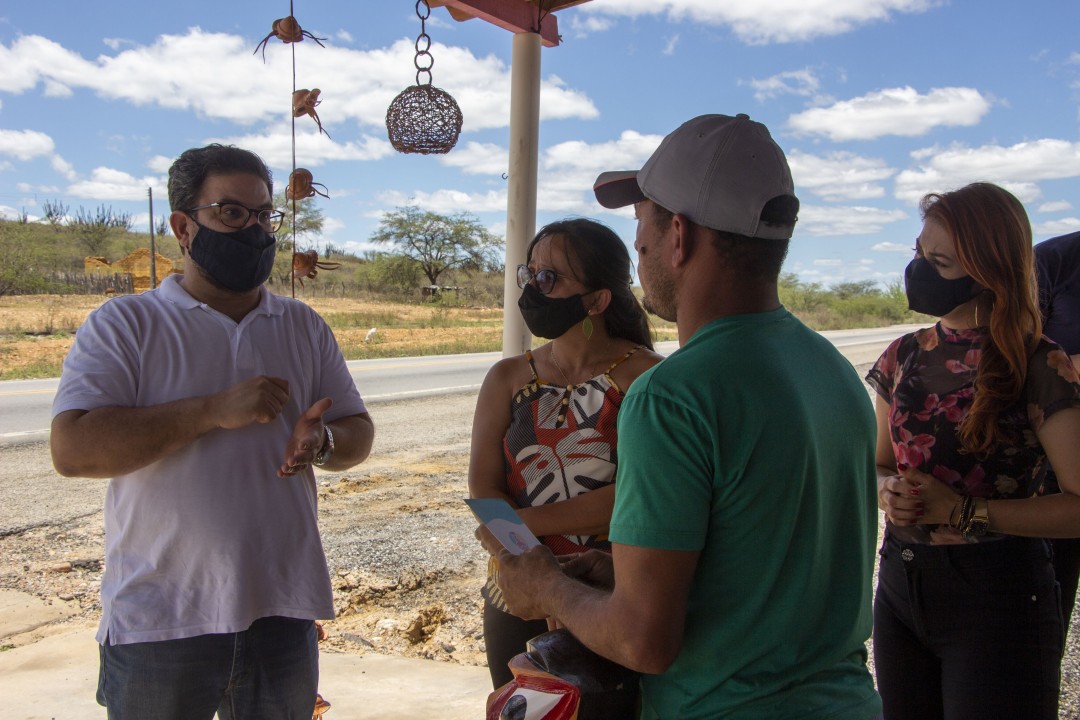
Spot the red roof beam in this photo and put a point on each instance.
(517, 16)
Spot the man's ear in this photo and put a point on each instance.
(183, 228)
(682, 241)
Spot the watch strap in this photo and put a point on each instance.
(327, 448)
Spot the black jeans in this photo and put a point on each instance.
(968, 632)
(505, 636)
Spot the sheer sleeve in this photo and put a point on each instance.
(882, 376)
(1052, 383)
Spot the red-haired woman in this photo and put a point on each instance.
(967, 618)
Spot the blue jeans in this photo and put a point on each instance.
(968, 632)
(269, 671)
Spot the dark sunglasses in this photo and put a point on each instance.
(544, 279)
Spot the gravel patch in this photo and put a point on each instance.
(406, 569)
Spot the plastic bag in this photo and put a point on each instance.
(558, 678)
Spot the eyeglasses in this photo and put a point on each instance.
(237, 216)
(544, 279)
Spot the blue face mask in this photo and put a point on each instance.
(931, 294)
(238, 261)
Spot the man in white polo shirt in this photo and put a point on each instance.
(207, 401)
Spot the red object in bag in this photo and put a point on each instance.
(533, 695)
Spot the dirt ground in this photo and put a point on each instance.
(405, 567)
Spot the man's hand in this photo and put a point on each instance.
(258, 400)
(593, 568)
(522, 578)
(306, 440)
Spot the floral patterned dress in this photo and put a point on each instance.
(927, 377)
(561, 443)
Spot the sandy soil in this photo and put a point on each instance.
(406, 569)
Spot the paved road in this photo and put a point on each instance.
(25, 404)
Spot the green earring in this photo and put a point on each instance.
(586, 327)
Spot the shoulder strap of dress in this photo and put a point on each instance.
(623, 359)
(532, 365)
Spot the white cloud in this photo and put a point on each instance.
(893, 111)
(182, 72)
(448, 201)
(478, 158)
(829, 262)
(117, 43)
(109, 184)
(63, 167)
(332, 225)
(160, 164)
(344, 36)
(9, 213)
(1055, 206)
(583, 25)
(1062, 226)
(275, 148)
(839, 175)
(820, 220)
(568, 170)
(765, 21)
(671, 44)
(1017, 168)
(802, 83)
(565, 175)
(891, 247)
(25, 144)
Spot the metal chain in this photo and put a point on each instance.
(424, 38)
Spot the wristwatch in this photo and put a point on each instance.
(980, 518)
(327, 448)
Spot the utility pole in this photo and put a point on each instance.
(153, 249)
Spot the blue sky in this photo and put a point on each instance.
(876, 102)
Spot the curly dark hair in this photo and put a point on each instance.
(190, 170)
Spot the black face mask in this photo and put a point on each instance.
(929, 293)
(239, 261)
(550, 317)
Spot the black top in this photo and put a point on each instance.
(1057, 265)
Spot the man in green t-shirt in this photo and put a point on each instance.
(745, 516)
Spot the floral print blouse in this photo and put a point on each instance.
(927, 377)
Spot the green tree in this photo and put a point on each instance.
(55, 212)
(308, 221)
(855, 289)
(93, 229)
(22, 270)
(798, 296)
(382, 271)
(162, 227)
(309, 218)
(438, 243)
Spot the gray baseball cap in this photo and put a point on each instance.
(717, 170)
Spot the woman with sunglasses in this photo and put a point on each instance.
(544, 435)
(967, 618)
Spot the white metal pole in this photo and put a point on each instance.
(521, 184)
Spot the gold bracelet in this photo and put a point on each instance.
(979, 522)
(954, 514)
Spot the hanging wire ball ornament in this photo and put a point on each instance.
(423, 119)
